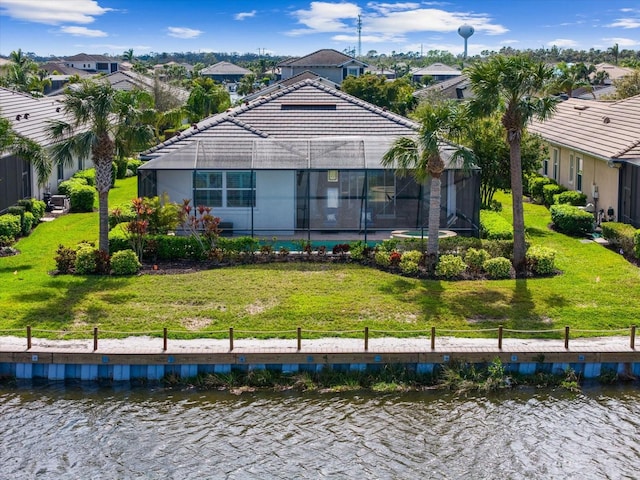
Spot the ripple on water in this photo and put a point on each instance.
(59, 432)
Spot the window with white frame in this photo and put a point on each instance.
(353, 71)
(572, 167)
(556, 164)
(225, 189)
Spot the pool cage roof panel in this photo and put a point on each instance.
(321, 153)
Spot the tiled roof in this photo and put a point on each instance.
(446, 88)
(83, 57)
(224, 68)
(608, 130)
(29, 115)
(306, 75)
(62, 69)
(436, 69)
(128, 80)
(306, 110)
(321, 58)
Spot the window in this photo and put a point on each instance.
(571, 168)
(353, 71)
(80, 163)
(556, 164)
(60, 172)
(545, 167)
(225, 189)
(579, 174)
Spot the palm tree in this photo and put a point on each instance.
(98, 118)
(128, 56)
(421, 156)
(615, 52)
(568, 78)
(513, 86)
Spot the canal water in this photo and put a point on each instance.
(84, 432)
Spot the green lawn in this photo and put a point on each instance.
(597, 291)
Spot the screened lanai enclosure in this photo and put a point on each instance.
(320, 188)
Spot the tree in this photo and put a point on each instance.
(247, 84)
(206, 98)
(396, 95)
(128, 55)
(421, 156)
(568, 78)
(22, 74)
(627, 86)
(615, 52)
(97, 119)
(486, 139)
(513, 86)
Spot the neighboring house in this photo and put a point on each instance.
(381, 71)
(60, 74)
(615, 72)
(225, 72)
(274, 87)
(594, 147)
(130, 80)
(305, 160)
(327, 63)
(439, 72)
(29, 117)
(92, 63)
(456, 88)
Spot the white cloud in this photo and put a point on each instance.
(563, 43)
(387, 20)
(182, 32)
(82, 32)
(626, 23)
(110, 47)
(622, 42)
(326, 17)
(243, 15)
(53, 12)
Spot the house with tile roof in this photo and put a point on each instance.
(303, 161)
(438, 71)
(225, 72)
(93, 63)
(327, 63)
(594, 147)
(29, 117)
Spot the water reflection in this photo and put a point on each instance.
(85, 432)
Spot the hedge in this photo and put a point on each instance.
(10, 225)
(65, 188)
(621, 235)
(550, 191)
(89, 175)
(571, 197)
(536, 187)
(494, 226)
(571, 220)
(82, 198)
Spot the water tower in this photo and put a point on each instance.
(465, 31)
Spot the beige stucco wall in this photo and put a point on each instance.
(595, 172)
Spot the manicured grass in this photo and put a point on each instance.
(597, 291)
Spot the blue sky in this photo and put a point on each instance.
(294, 27)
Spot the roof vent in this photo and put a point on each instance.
(18, 117)
(606, 120)
(26, 116)
(580, 107)
(58, 109)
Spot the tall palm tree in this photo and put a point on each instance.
(98, 117)
(615, 52)
(513, 86)
(421, 156)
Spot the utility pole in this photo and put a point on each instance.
(359, 36)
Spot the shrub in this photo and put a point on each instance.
(541, 260)
(571, 220)
(382, 258)
(450, 266)
(121, 214)
(238, 244)
(475, 258)
(125, 262)
(495, 205)
(410, 261)
(133, 164)
(66, 187)
(173, 247)
(498, 248)
(340, 248)
(571, 197)
(536, 187)
(620, 235)
(121, 167)
(118, 239)
(38, 209)
(498, 267)
(88, 175)
(16, 210)
(28, 221)
(82, 198)
(65, 259)
(550, 190)
(6, 241)
(358, 250)
(494, 226)
(458, 244)
(86, 260)
(636, 243)
(10, 225)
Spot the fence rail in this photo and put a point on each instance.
(366, 332)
